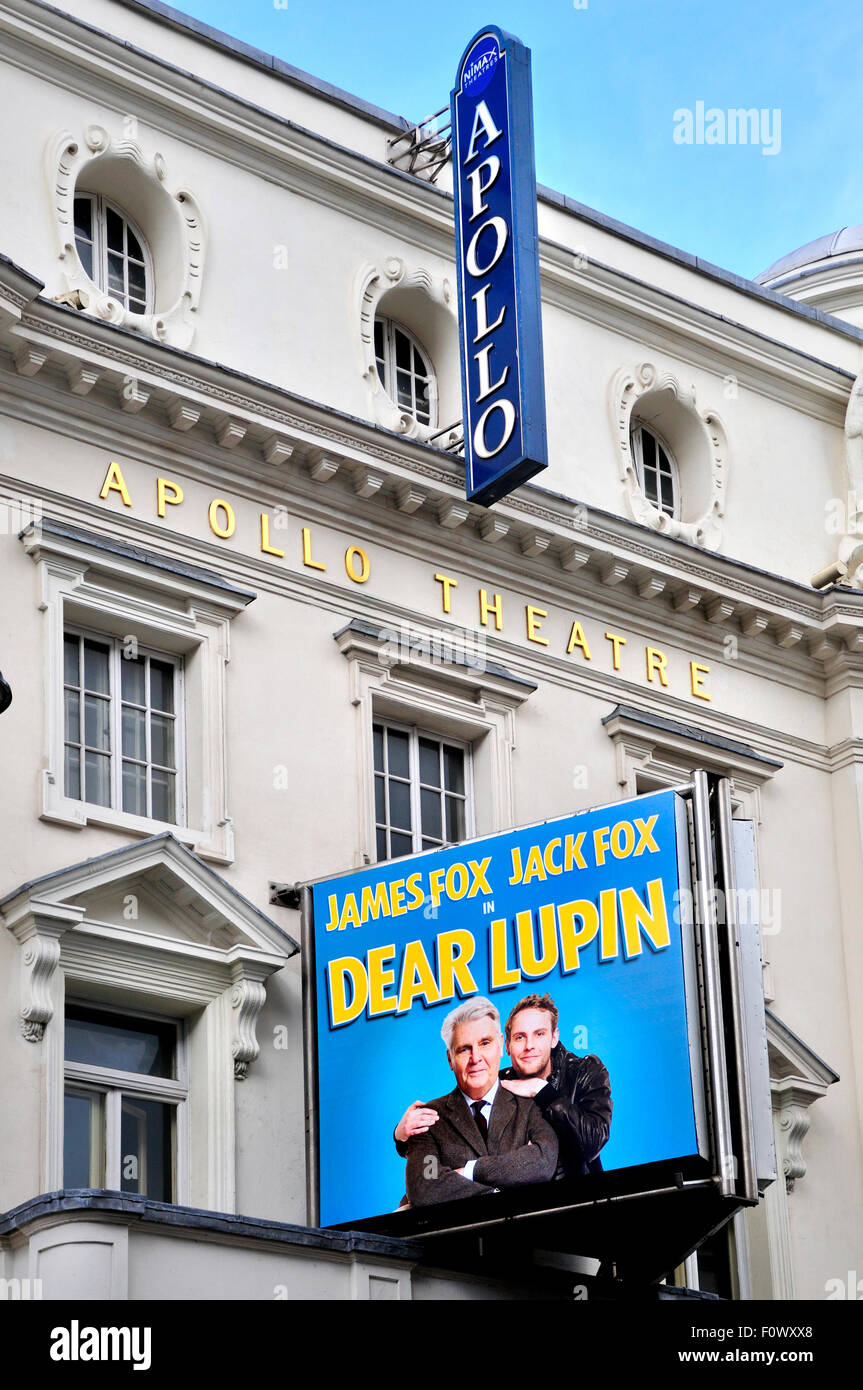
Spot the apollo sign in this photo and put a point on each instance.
(500, 320)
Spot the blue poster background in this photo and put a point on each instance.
(631, 1012)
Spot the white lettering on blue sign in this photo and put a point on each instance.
(499, 309)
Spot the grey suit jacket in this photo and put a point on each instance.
(521, 1149)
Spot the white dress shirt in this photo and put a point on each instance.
(487, 1102)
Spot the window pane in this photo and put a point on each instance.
(85, 255)
(667, 495)
(97, 733)
(145, 1148)
(453, 769)
(116, 279)
(400, 805)
(114, 230)
(162, 686)
(133, 246)
(97, 779)
(72, 702)
(162, 740)
(381, 836)
(115, 1040)
(454, 819)
(82, 1140)
(378, 740)
(380, 801)
(403, 390)
(429, 762)
(96, 667)
(397, 753)
(403, 350)
(70, 660)
(648, 449)
(84, 218)
(423, 409)
(401, 844)
(431, 814)
(73, 773)
(163, 796)
(379, 343)
(132, 678)
(135, 789)
(137, 282)
(134, 733)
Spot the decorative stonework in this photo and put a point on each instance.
(72, 163)
(247, 999)
(39, 932)
(851, 543)
(373, 282)
(631, 385)
(798, 1077)
(762, 609)
(192, 941)
(792, 1103)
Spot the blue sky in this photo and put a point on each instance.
(608, 77)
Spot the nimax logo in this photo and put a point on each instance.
(480, 66)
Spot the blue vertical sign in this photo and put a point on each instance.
(497, 256)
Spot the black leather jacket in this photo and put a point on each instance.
(577, 1104)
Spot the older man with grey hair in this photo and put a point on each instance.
(485, 1138)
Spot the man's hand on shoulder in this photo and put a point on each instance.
(417, 1119)
(528, 1087)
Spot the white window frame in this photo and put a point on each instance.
(110, 593)
(389, 379)
(415, 733)
(637, 433)
(99, 208)
(470, 704)
(77, 941)
(82, 1077)
(115, 645)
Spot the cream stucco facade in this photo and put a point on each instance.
(297, 505)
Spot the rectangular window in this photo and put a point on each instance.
(122, 727)
(422, 791)
(124, 1102)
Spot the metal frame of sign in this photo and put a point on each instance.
(484, 482)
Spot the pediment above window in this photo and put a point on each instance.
(153, 921)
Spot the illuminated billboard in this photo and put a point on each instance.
(587, 918)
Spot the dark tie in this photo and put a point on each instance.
(481, 1122)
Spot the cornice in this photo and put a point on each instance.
(67, 366)
(585, 599)
(612, 298)
(67, 52)
(182, 106)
